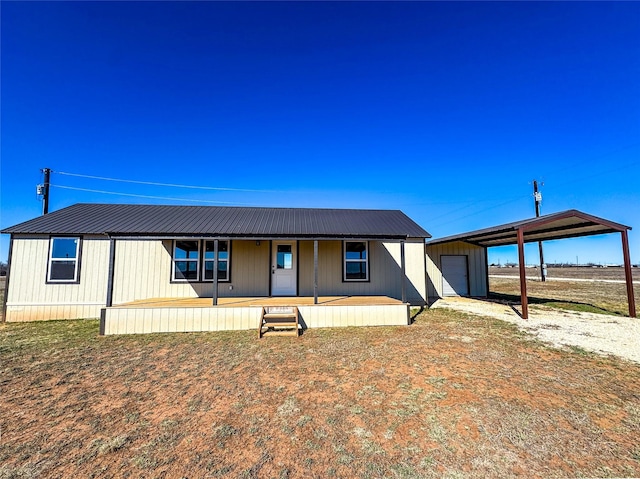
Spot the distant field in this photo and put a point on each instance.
(570, 272)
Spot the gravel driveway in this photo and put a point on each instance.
(601, 333)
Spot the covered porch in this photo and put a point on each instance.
(159, 315)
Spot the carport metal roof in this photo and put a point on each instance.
(566, 224)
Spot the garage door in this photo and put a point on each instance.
(454, 276)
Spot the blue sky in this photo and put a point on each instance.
(446, 111)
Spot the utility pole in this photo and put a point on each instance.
(43, 190)
(537, 196)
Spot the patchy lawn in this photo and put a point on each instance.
(450, 396)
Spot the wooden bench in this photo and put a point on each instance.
(279, 321)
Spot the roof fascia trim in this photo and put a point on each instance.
(571, 214)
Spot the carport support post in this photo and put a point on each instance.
(215, 272)
(627, 274)
(315, 271)
(523, 275)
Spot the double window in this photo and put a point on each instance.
(223, 260)
(64, 260)
(193, 260)
(356, 261)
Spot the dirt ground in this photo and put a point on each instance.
(601, 333)
(453, 395)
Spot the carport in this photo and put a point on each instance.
(566, 224)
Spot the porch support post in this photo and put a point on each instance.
(6, 281)
(112, 262)
(486, 272)
(215, 272)
(627, 274)
(315, 271)
(403, 271)
(523, 275)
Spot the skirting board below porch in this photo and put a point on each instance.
(140, 320)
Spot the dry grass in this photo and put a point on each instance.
(450, 396)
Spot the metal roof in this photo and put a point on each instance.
(566, 224)
(165, 220)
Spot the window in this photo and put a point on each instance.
(356, 261)
(284, 258)
(223, 260)
(185, 260)
(64, 254)
(193, 260)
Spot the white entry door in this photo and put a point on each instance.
(284, 268)
(455, 280)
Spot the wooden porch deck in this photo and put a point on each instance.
(242, 302)
(160, 315)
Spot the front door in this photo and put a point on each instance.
(284, 268)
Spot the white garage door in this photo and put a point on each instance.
(454, 276)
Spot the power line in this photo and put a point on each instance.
(572, 166)
(146, 196)
(153, 183)
(481, 211)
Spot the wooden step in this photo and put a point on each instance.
(291, 316)
(280, 333)
(269, 324)
(278, 317)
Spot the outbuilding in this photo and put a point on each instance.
(457, 265)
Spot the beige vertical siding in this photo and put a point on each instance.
(30, 298)
(143, 270)
(476, 261)
(249, 269)
(385, 274)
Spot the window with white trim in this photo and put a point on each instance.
(356, 261)
(64, 259)
(186, 260)
(223, 260)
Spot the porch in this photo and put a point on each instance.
(158, 315)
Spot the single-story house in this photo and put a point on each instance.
(154, 268)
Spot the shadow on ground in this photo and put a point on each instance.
(513, 299)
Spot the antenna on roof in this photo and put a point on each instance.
(43, 190)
